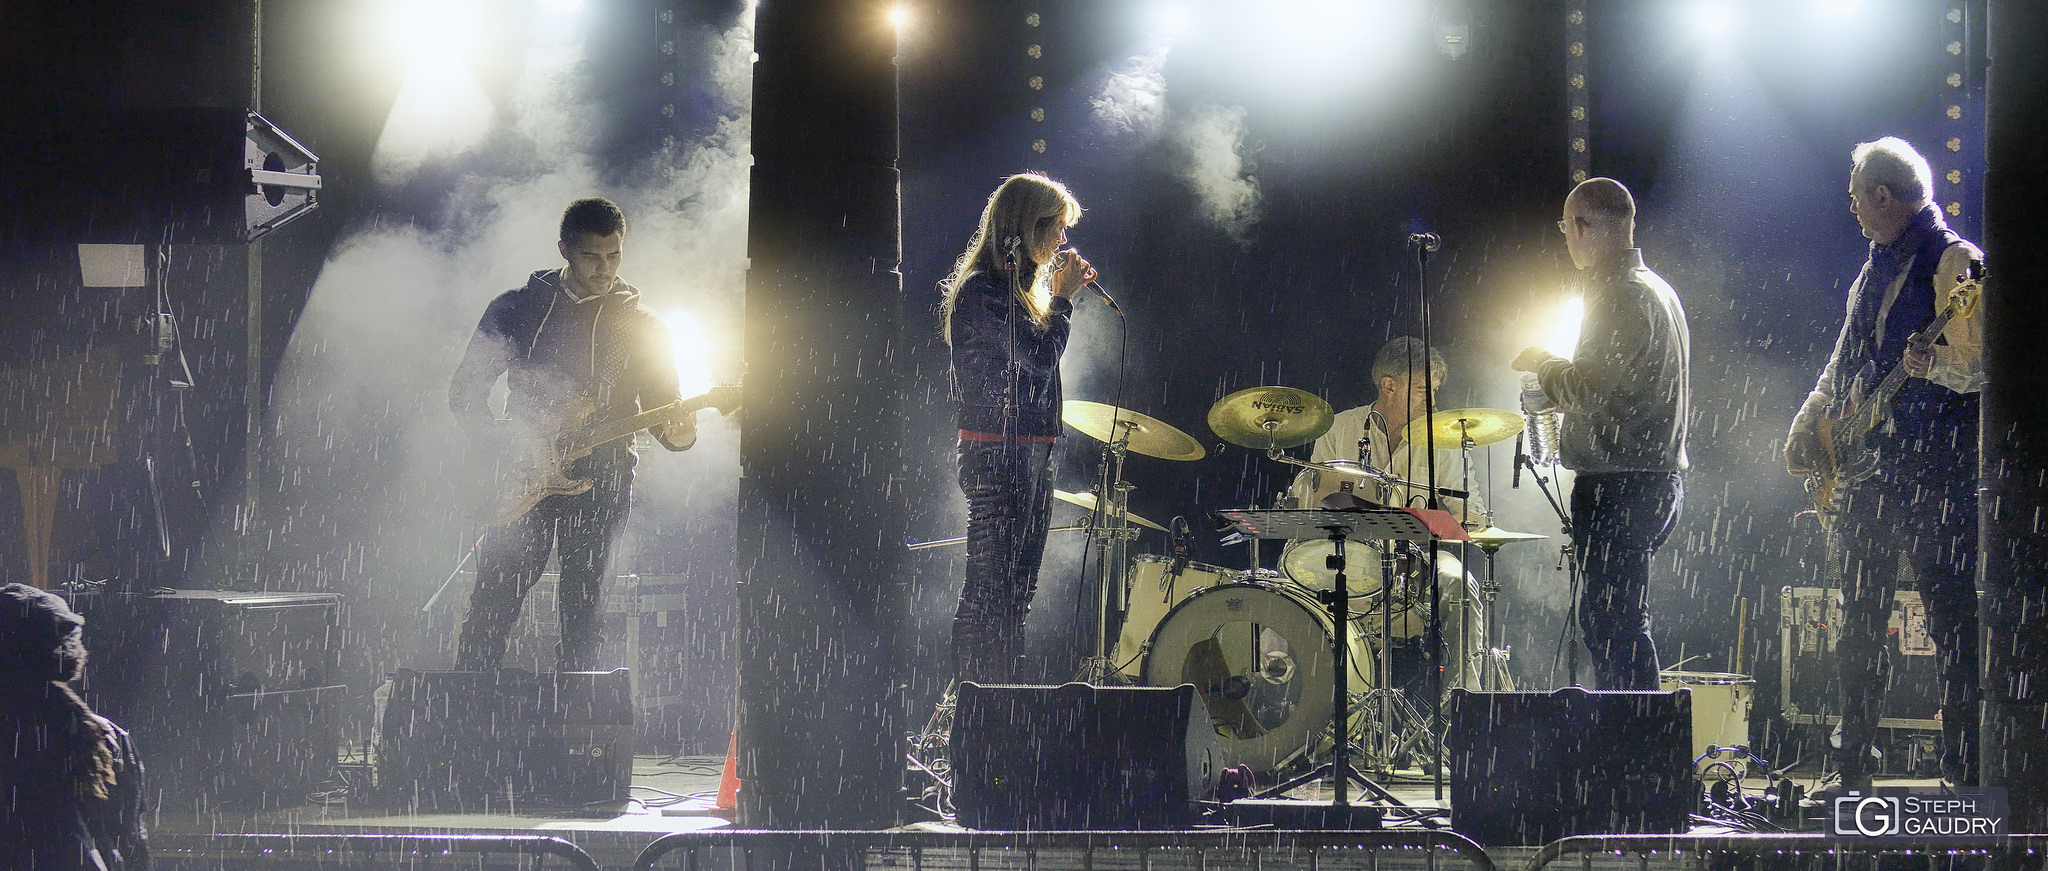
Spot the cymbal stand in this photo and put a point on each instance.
(1464, 677)
(1110, 530)
(1567, 554)
(1492, 674)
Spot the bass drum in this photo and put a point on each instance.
(1153, 592)
(1260, 656)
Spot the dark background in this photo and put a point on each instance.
(1356, 129)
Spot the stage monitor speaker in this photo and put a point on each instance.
(149, 176)
(230, 695)
(1529, 768)
(1081, 757)
(491, 740)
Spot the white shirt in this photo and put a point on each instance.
(1341, 443)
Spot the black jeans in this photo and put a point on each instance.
(582, 528)
(1921, 507)
(1009, 506)
(1619, 520)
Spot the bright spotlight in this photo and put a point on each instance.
(1170, 20)
(1712, 18)
(431, 30)
(1841, 10)
(897, 16)
(693, 353)
(1564, 336)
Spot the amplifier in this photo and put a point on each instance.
(1809, 623)
(1529, 768)
(230, 695)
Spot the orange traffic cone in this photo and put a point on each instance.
(729, 782)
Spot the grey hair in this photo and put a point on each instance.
(1400, 357)
(1893, 163)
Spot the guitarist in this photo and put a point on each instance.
(1921, 505)
(574, 334)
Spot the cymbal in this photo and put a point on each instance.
(1485, 425)
(1494, 538)
(1087, 500)
(1265, 418)
(1147, 435)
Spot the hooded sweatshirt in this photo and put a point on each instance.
(608, 349)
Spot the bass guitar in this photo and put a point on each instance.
(1845, 457)
(539, 467)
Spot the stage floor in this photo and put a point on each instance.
(676, 794)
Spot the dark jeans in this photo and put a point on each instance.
(1922, 509)
(582, 527)
(1619, 520)
(1009, 506)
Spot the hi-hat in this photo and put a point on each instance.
(1087, 500)
(1149, 436)
(1484, 425)
(1494, 538)
(1267, 418)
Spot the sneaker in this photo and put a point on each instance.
(1821, 799)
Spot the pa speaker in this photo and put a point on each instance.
(1529, 768)
(1081, 757)
(486, 740)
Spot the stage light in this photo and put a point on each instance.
(693, 352)
(431, 30)
(897, 16)
(1170, 20)
(1564, 335)
(1711, 18)
(1841, 9)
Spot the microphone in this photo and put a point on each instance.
(1520, 458)
(1428, 241)
(1106, 298)
(1181, 549)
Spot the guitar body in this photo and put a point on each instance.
(539, 467)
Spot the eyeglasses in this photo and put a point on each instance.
(1561, 224)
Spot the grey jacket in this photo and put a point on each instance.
(1626, 393)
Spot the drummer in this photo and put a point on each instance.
(1401, 399)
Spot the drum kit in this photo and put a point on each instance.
(1264, 647)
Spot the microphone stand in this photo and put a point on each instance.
(1423, 244)
(1566, 552)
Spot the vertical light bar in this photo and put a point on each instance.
(1957, 157)
(1579, 144)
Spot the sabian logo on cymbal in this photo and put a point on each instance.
(1263, 405)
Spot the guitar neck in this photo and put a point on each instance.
(625, 426)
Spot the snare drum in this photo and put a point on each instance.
(1153, 593)
(1260, 656)
(1307, 563)
(1311, 485)
(1720, 708)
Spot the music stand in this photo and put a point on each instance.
(1365, 524)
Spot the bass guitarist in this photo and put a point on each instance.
(1919, 507)
(574, 337)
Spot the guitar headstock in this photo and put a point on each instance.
(725, 397)
(1969, 290)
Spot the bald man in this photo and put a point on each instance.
(1625, 393)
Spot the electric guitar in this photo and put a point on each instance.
(1844, 457)
(539, 467)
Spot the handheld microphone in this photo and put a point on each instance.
(1106, 298)
(1520, 458)
(1428, 241)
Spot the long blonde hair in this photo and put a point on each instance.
(1019, 230)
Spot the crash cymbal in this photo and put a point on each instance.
(1149, 436)
(1485, 425)
(1495, 538)
(1265, 418)
(1087, 500)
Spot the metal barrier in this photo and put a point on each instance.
(1197, 850)
(351, 849)
(1769, 850)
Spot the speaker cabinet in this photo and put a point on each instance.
(1081, 757)
(1529, 768)
(492, 740)
(229, 695)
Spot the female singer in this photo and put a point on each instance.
(1006, 313)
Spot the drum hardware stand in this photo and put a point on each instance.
(1492, 674)
(1111, 532)
(1338, 527)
